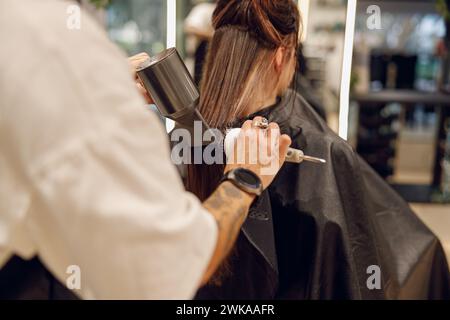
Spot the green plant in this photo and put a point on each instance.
(442, 7)
(100, 3)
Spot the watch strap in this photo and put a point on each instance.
(253, 190)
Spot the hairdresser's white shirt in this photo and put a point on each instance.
(85, 172)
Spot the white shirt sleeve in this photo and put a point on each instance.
(112, 204)
(91, 182)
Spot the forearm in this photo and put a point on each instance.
(229, 206)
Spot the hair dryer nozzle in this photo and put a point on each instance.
(169, 83)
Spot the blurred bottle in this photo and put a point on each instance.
(361, 67)
(427, 73)
(445, 184)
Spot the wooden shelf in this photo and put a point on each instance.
(406, 97)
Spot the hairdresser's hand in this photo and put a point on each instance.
(135, 61)
(262, 151)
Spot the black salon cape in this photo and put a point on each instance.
(330, 224)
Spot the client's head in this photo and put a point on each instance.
(251, 58)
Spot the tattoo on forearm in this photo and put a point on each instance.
(221, 202)
(238, 220)
(216, 201)
(232, 192)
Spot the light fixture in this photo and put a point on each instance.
(304, 11)
(171, 40)
(347, 69)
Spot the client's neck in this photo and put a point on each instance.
(261, 104)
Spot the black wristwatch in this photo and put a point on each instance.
(245, 180)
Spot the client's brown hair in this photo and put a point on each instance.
(239, 65)
(241, 54)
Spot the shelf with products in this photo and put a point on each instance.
(380, 155)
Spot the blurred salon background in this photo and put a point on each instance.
(400, 103)
(399, 93)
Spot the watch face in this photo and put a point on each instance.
(248, 177)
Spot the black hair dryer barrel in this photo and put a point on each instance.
(172, 88)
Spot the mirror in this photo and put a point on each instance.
(400, 93)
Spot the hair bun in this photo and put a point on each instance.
(270, 21)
